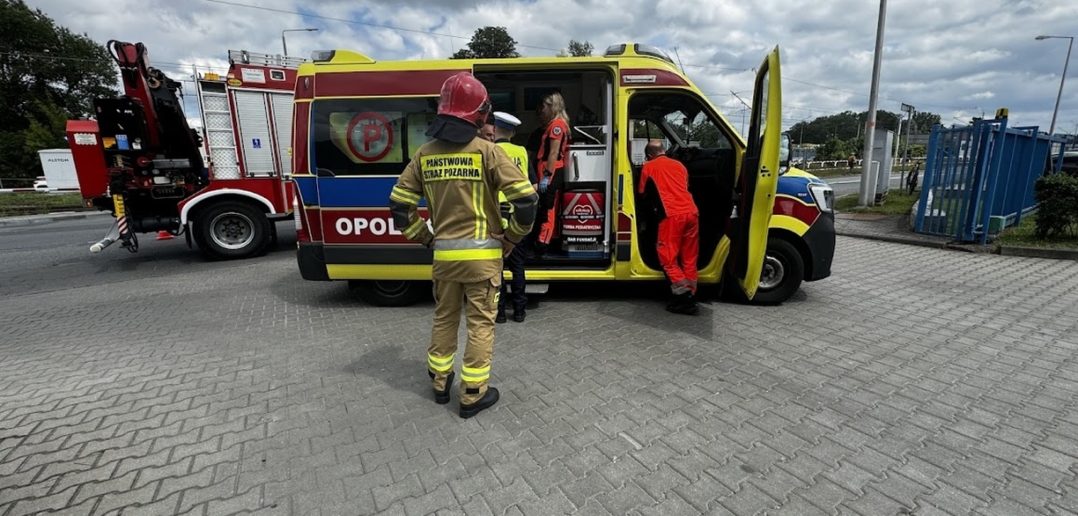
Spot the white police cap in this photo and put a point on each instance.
(505, 120)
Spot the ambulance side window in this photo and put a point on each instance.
(353, 137)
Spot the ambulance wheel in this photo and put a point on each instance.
(389, 292)
(784, 269)
(231, 230)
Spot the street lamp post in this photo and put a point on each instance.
(868, 184)
(1052, 129)
(284, 44)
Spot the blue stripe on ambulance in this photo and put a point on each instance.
(347, 192)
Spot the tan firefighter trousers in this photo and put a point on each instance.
(482, 305)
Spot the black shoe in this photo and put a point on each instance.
(519, 315)
(501, 317)
(488, 400)
(689, 308)
(442, 397)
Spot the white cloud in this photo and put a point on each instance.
(959, 56)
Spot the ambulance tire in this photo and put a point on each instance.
(389, 292)
(784, 270)
(231, 230)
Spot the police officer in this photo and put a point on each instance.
(459, 174)
(504, 129)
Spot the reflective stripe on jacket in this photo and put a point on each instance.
(460, 182)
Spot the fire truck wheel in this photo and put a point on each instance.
(231, 230)
(389, 293)
(784, 269)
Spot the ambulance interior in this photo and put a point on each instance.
(583, 238)
(693, 137)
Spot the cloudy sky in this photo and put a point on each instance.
(957, 58)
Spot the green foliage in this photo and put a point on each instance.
(847, 125)
(487, 43)
(32, 203)
(580, 48)
(835, 148)
(47, 75)
(1057, 213)
(923, 121)
(916, 150)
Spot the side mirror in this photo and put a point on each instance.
(785, 151)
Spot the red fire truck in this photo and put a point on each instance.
(140, 159)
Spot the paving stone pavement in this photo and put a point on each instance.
(913, 381)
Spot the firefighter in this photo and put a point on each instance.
(459, 174)
(505, 126)
(551, 162)
(666, 183)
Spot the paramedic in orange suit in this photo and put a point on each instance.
(666, 182)
(551, 161)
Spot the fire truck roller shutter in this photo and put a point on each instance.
(255, 142)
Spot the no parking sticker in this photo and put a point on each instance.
(370, 136)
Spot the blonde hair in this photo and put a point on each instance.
(557, 105)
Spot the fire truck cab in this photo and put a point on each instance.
(359, 121)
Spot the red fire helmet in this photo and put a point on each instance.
(464, 97)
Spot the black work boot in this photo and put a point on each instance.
(501, 316)
(520, 315)
(442, 397)
(683, 304)
(488, 400)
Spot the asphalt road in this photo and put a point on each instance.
(846, 185)
(56, 255)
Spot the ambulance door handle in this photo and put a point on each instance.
(576, 168)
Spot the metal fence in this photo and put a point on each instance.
(979, 178)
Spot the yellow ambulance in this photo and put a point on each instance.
(357, 122)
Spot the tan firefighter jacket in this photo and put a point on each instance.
(461, 184)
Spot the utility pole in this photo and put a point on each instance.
(284, 44)
(1062, 78)
(747, 108)
(909, 123)
(868, 185)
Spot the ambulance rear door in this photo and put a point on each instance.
(758, 178)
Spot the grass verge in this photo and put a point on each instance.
(898, 202)
(35, 203)
(1024, 235)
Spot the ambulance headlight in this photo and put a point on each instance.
(824, 196)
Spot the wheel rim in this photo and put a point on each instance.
(391, 288)
(232, 230)
(773, 273)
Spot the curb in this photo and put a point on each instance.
(1039, 252)
(897, 240)
(32, 220)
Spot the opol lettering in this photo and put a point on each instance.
(377, 226)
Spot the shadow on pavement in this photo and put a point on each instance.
(649, 306)
(389, 365)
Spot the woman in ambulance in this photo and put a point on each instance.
(550, 163)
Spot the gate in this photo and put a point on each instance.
(979, 178)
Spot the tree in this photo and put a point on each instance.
(47, 75)
(923, 122)
(580, 48)
(489, 42)
(834, 148)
